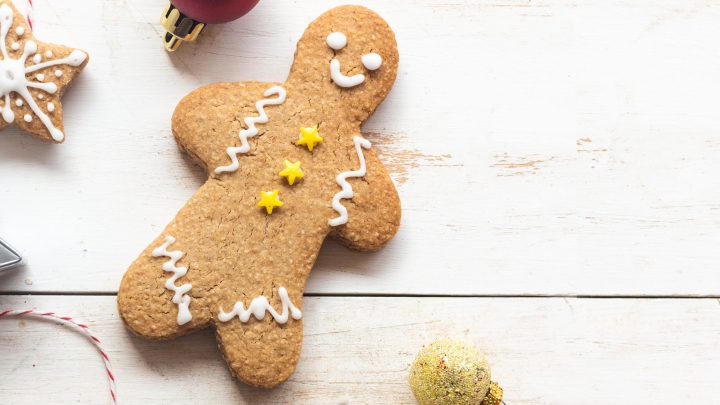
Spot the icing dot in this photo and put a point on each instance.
(41, 76)
(15, 46)
(37, 58)
(58, 73)
(372, 61)
(28, 117)
(337, 41)
(51, 107)
(18, 102)
(48, 54)
(19, 30)
(40, 96)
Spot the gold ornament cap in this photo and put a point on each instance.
(494, 395)
(179, 28)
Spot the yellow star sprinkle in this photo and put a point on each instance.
(269, 200)
(292, 171)
(309, 137)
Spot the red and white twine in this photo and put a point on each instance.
(82, 327)
(25, 7)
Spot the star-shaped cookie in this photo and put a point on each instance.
(33, 77)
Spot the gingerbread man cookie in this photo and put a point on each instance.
(287, 166)
(33, 77)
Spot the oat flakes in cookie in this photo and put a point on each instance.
(33, 77)
(287, 167)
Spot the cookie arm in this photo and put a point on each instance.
(374, 211)
(208, 121)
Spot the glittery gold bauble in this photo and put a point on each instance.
(450, 372)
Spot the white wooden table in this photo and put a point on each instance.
(558, 164)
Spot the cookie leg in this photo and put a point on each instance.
(240, 279)
(163, 293)
(153, 299)
(260, 353)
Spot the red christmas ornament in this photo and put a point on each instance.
(184, 20)
(214, 11)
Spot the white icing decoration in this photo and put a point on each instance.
(19, 30)
(342, 80)
(75, 59)
(180, 298)
(27, 118)
(51, 107)
(13, 74)
(258, 306)
(40, 76)
(336, 40)
(40, 96)
(347, 191)
(37, 58)
(58, 73)
(19, 102)
(371, 61)
(48, 54)
(15, 46)
(251, 130)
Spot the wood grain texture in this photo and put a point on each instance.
(543, 147)
(359, 350)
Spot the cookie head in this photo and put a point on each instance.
(351, 53)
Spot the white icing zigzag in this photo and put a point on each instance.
(251, 129)
(180, 298)
(258, 306)
(13, 71)
(347, 191)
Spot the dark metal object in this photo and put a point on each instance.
(10, 257)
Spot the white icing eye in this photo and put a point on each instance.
(48, 54)
(19, 30)
(337, 41)
(372, 61)
(18, 102)
(40, 77)
(28, 117)
(15, 46)
(37, 58)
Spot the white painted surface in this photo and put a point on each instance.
(482, 132)
(541, 351)
(539, 147)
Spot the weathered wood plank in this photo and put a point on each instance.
(358, 351)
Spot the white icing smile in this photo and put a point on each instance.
(342, 80)
(371, 61)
